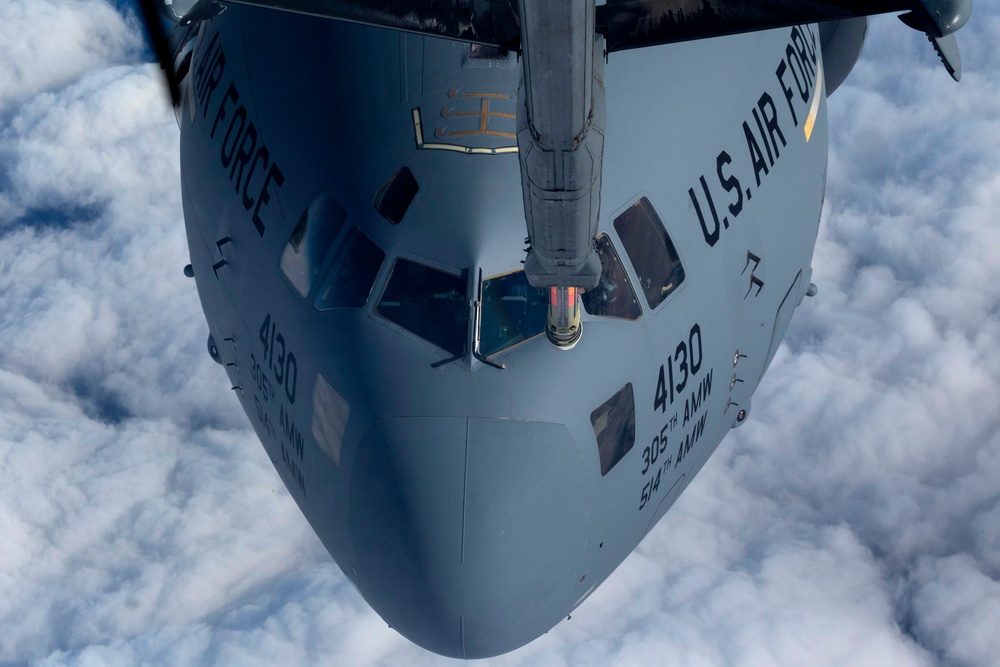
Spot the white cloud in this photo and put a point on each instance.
(45, 44)
(957, 608)
(854, 520)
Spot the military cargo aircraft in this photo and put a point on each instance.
(402, 215)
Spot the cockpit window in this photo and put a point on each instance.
(613, 296)
(653, 256)
(351, 274)
(310, 242)
(614, 426)
(486, 52)
(430, 303)
(393, 199)
(512, 311)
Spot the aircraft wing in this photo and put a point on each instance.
(626, 24)
(492, 22)
(629, 24)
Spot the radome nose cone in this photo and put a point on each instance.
(467, 533)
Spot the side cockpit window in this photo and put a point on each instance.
(430, 303)
(323, 249)
(512, 311)
(351, 274)
(310, 242)
(614, 427)
(652, 253)
(613, 296)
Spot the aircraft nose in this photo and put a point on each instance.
(468, 533)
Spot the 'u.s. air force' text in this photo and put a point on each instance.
(796, 77)
(244, 154)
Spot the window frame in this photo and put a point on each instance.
(400, 180)
(625, 267)
(479, 333)
(325, 273)
(319, 274)
(630, 264)
(382, 286)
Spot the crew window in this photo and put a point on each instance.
(330, 414)
(486, 52)
(512, 311)
(614, 426)
(613, 296)
(351, 274)
(393, 199)
(310, 242)
(428, 302)
(653, 256)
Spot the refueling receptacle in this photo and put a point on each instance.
(563, 327)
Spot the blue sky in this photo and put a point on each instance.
(854, 520)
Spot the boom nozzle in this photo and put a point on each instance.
(563, 327)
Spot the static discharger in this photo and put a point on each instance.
(563, 327)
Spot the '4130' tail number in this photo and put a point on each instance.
(685, 363)
(284, 368)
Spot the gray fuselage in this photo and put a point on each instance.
(467, 503)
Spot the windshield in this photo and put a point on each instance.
(512, 311)
(428, 302)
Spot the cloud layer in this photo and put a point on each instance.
(854, 520)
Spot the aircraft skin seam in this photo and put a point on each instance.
(465, 492)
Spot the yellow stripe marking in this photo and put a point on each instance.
(814, 109)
